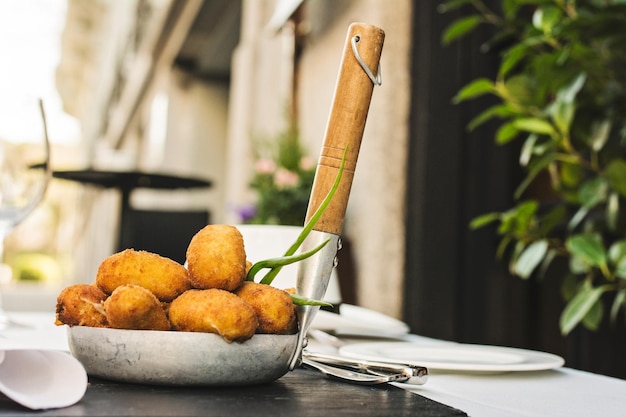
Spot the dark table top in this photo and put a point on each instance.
(300, 393)
(128, 180)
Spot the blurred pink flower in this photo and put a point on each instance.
(285, 178)
(307, 163)
(265, 166)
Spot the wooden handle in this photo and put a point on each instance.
(346, 123)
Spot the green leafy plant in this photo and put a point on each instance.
(282, 180)
(561, 90)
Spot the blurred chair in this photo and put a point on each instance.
(164, 232)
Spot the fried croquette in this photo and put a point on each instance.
(214, 311)
(136, 308)
(81, 305)
(216, 258)
(165, 278)
(273, 307)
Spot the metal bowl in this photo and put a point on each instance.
(180, 358)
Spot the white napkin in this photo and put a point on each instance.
(35, 373)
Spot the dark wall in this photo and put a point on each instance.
(456, 289)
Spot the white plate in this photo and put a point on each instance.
(455, 357)
(358, 321)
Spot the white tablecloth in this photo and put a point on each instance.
(561, 392)
(36, 330)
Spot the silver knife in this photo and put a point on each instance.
(344, 131)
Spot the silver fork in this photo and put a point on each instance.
(348, 375)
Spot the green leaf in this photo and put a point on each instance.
(569, 286)
(517, 251)
(618, 303)
(571, 174)
(502, 246)
(506, 133)
(527, 149)
(612, 211)
(537, 167)
(617, 253)
(534, 125)
(578, 307)
(564, 106)
(499, 110)
(564, 54)
(578, 265)
(594, 316)
(553, 218)
(578, 217)
(518, 219)
(562, 113)
(546, 18)
(530, 258)
(589, 248)
(593, 192)
(615, 173)
(460, 28)
(511, 58)
(510, 7)
(569, 92)
(474, 89)
(620, 268)
(484, 220)
(519, 89)
(599, 134)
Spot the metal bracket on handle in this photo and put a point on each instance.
(377, 80)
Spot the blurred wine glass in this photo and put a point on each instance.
(24, 167)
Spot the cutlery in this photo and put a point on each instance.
(407, 373)
(348, 375)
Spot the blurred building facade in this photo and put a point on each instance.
(181, 86)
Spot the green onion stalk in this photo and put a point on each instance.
(275, 264)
